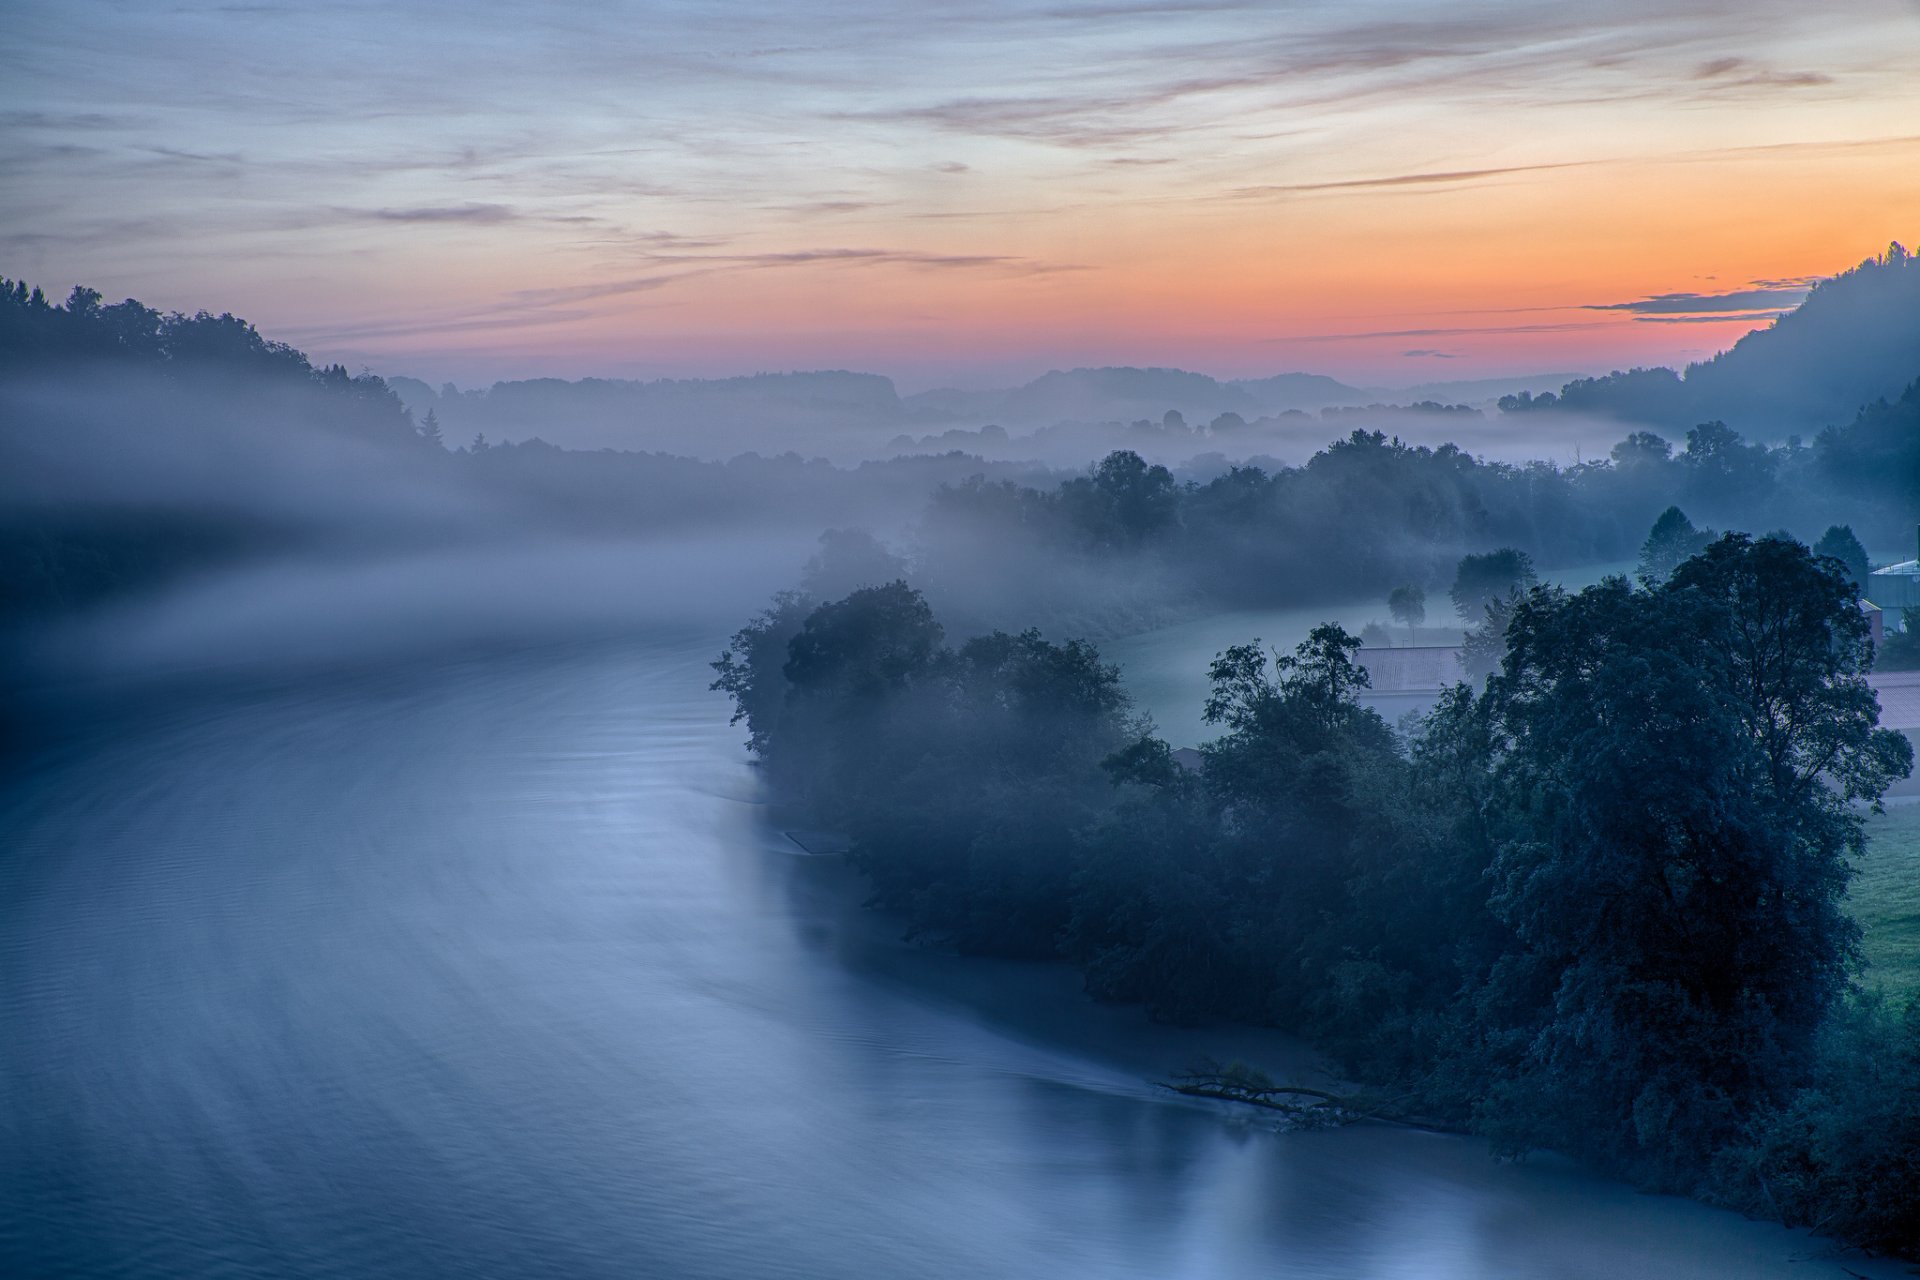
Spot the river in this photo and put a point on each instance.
(492, 966)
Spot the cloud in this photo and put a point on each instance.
(832, 206)
(1783, 295)
(1718, 67)
(478, 213)
(1436, 355)
(1448, 178)
(1725, 317)
(334, 334)
(695, 266)
(953, 166)
(1738, 73)
(68, 121)
(1559, 327)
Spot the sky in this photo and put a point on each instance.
(965, 193)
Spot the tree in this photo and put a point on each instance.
(847, 560)
(1483, 646)
(430, 430)
(1900, 647)
(1642, 449)
(1408, 605)
(749, 670)
(1724, 470)
(1480, 579)
(871, 643)
(1677, 771)
(1838, 541)
(1672, 540)
(1123, 502)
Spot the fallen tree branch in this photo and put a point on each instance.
(1237, 1082)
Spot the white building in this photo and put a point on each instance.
(1895, 587)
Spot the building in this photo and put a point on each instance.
(1897, 586)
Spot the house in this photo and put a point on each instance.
(1897, 586)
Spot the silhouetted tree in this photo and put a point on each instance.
(1408, 605)
(1672, 539)
(1838, 541)
(1481, 579)
(1678, 772)
(849, 559)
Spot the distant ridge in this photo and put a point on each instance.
(1127, 393)
(1854, 341)
(722, 414)
(1300, 391)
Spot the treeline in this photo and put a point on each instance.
(118, 414)
(1596, 906)
(1370, 513)
(85, 338)
(140, 446)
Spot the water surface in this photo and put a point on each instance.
(494, 967)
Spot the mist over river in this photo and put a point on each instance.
(496, 967)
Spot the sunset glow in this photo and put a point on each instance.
(1401, 193)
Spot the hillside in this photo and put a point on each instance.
(1853, 342)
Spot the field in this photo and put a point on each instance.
(1886, 901)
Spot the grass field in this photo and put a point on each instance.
(1886, 901)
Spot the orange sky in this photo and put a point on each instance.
(1386, 192)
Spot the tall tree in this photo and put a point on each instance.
(1838, 541)
(1672, 539)
(1677, 770)
(1408, 605)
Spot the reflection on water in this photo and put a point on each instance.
(496, 970)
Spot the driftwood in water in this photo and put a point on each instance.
(1303, 1107)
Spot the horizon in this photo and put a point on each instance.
(1390, 196)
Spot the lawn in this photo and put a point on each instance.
(1886, 901)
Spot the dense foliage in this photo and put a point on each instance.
(1597, 905)
(1368, 514)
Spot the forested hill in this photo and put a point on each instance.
(1854, 341)
(84, 340)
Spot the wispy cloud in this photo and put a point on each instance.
(1454, 177)
(481, 213)
(683, 267)
(1782, 295)
(1727, 317)
(1739, 73)
(1568, 326)
(830, 207)
(358, 332)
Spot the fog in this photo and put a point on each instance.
(1061, 420)
(389, 892)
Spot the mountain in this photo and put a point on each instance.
(1122, 394)
(1285, 391)
(1854, 341)
(1126, 394)
(711, 417)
